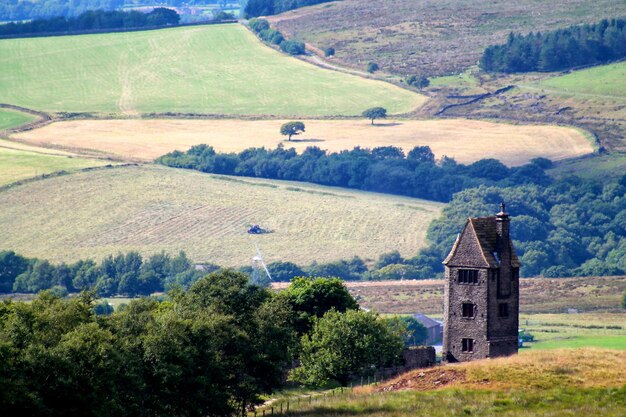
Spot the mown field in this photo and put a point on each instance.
(220, 69)
(603, 82)
(540, 383)
(464, 140)
(19, 162)
(153, 209)
(537, 295)
(12, 118)
(432, 37)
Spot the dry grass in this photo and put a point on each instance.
(465, 140)
(537, 295)
(153, 209)
(582, 368)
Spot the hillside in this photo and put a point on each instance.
(430, 37)
(219, 69)
(465, 140)
(153, 209)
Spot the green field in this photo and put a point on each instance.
(606, 342)
(153, 209)
(603, 82)
(219, 69)
(18, 164)
(12, 118)
(599, 167)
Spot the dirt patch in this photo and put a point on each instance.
(425, 380)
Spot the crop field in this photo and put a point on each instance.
(537, 295)
(218, 69)
(152, 209)
(12, 118)
(465, 140)
(18, 164)
(432, 37)
(539, 383)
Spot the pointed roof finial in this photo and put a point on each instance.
(503, 212)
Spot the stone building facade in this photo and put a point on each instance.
(481, 304)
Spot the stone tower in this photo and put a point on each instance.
(481, 302)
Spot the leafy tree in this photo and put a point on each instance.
(346, 344)
(329, 51)
(416, 333)
(389, 258)
(284, 271)
(375, 113)
(291, 128)
(311, 298)
(11, 266)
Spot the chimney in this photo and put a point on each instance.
(502, 232)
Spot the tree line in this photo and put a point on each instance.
(573, 227)
(272, 36)
(94, 20)
(255, 8)
(383, 169)
(560, 49)
(211, 351)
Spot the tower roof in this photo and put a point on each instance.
(482, 230)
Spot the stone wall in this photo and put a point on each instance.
(418, 357)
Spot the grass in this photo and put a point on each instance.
(606, 342)
(465, 140)
(220, 69)
(539, 383)
(434, 38)
(12, 118)
(153, 209)
(16, 165)
(604, 82)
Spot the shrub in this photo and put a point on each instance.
(417, 81)
(292, 47)
(329, 51)
(372, 67)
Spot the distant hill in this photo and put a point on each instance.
(430, 37)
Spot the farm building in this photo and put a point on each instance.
(481, 296)
(434, 328)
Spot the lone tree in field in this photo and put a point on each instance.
(375, 113)
(292, 128)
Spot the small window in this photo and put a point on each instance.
(467, 345)
(503, 310)
(468, 276)
(469, 310)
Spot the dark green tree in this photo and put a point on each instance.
(375, 113)
(290, 129)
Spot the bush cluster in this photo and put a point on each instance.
(559, 49)
(269, 35)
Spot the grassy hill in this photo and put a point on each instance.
(540, 383)
(432, 37)
(153, 209)
(220, 69)
(465, 140)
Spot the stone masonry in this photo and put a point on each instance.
(481, 301)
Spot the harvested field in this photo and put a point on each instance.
(217, 69)
(430, 37)
(464, 140)
(537, 295)
(152, 209)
